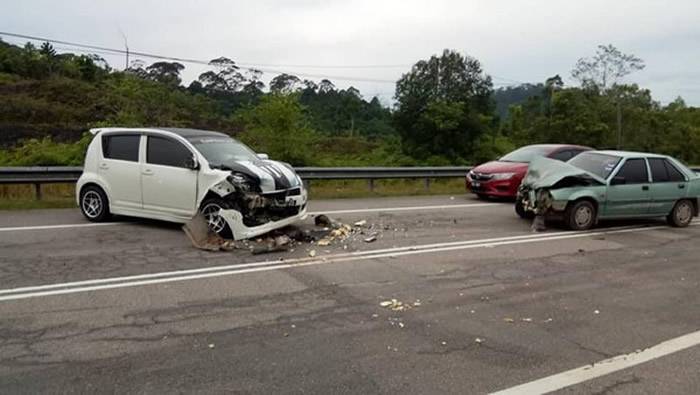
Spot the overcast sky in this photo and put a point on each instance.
(516, 40)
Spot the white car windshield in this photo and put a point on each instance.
(218, 151)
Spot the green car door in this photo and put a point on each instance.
(668, 185)
(628, 193)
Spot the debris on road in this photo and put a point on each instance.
(397, 305)
(509, 320)
(197, 230)
(211, 345)
(328, 231)
(596, 312)
(528, 319)
(276, 244)
(325, 221)
(478, 340)
(538, 224)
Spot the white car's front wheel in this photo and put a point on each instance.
(217, 224)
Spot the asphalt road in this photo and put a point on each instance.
(131, 307)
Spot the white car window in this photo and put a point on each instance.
(166, 152)
(121, 147)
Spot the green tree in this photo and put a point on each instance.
(446, 95)
(165, 72)
(285, 84)
(604, 71)
(278, 127)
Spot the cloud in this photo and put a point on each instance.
(514, 39)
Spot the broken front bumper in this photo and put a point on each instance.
(240, 231)
(541, 202)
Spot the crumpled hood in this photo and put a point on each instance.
(270, 175)
(545, 172)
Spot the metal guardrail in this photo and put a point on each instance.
(66, 174)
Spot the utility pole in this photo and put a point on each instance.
(126, 47)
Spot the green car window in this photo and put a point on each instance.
(674, 174)
(634, 171)
(658, 170)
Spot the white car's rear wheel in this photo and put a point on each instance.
(94, 204)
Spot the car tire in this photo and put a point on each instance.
(580, 215)
(682, 214)
(216, 223)
(522, 213)
(94, 204)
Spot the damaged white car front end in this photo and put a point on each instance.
(254, 198)
(251, 213)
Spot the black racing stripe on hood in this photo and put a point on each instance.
(281, 181)
(236, 167)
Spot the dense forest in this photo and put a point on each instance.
(445, 110)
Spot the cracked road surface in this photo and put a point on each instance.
(482, 315)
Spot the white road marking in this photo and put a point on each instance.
(413, 208)
(366, 210)
(488, 241)
(47, 227)
(183, 275)
(604, 367)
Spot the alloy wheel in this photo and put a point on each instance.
(215, 221)
(92, 204)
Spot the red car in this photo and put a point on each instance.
(501, 178)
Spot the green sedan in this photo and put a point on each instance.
(599, 185)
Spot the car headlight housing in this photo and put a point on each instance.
(502, 176)
(240, 181)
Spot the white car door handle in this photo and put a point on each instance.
(147, 172)
(104, 166)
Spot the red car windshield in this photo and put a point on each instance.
(526, 154)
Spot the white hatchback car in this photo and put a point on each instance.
(170, 173)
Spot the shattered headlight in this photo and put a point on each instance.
(502, 176)
(240, 181)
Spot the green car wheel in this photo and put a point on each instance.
(580, 216)
(682, 214)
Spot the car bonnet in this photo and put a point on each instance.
(545, 172)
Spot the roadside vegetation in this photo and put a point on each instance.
(446, 111)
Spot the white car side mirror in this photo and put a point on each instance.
(263, 156)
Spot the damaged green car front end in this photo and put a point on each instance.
(550, 185)
(609, 184)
